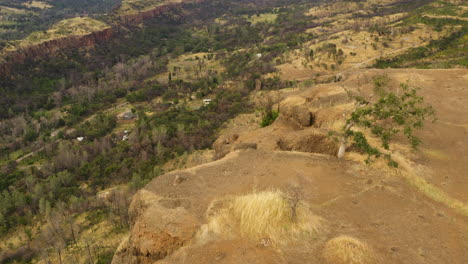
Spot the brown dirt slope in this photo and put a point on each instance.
(369, 214)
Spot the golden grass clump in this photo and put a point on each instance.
(347, 250)
(265, 215)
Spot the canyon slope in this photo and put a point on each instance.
(81, 32)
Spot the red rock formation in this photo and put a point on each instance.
(52, 47)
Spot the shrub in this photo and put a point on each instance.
(269, 117)
(347, 250)
(105, 257)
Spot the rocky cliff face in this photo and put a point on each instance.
(52, 47)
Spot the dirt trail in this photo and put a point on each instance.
(448, 17)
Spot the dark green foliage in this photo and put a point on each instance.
(393, 114)
(137, 96)
(269, 117)
(98, 127)
(41, 155)
(361, 143)
(105, 257)
(30, 135)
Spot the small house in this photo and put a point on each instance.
(206, 101)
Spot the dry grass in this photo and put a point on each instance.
(191, 67)
(37, 4)
(5, 10)
(136, 6)
(435, 154)
(74, 26)
(412, 176)
(262, 18)
(193, 159)
(347, 250)
(269, 215)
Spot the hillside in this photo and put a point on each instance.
(208, 131)
(137, 6)
(19, 18)
(65, 30)
(76, 32)
(180, 217)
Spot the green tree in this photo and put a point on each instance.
(269, 114)
(395, 112)
(136, 182)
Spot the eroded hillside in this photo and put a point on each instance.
(371, 213)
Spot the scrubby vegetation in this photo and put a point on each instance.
(69, 161)
(349, 250)
(269, 117)
(447, 52)
(69, 27)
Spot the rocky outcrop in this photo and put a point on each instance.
(303, 124)
(159, 227)
(299, 114)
